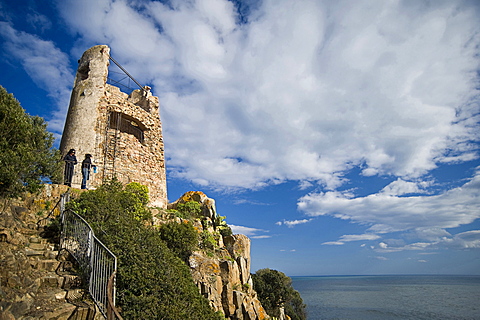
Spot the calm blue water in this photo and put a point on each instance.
(390, 297)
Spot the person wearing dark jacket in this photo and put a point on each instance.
(86, 165)
(70, 162)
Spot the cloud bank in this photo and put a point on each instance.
(387, 213)
(421, 217)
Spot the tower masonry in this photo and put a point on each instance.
(122, 132)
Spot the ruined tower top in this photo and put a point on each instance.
(121, 131)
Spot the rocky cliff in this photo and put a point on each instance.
(222, 274)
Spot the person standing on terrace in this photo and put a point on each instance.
(70, 162)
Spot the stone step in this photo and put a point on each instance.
(51, 281)
(30, 232)
(83, 313)
(48, 265)
(71, 281)
(33, 253)
(37, 246)
(36, 239)
(50, 254)
(32, 226)
(74, 295)
(63, 313)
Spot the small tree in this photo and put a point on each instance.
(275, 290)
(27, 158)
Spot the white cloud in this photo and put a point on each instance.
(435, 240)
(430, 234)
(353, 237)
(46, 65)
(386, 213)
(250, 202)
(401, 187)
(303, 185)
(334, 243)
(248, 231)
(292, 223)
(305, 91)
(417, 246)
(359, 237)
(260, 237)
(464, 240)
(422, 219)
(38, 21)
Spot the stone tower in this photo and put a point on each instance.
(122, 132)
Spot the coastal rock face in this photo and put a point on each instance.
(223, 275)
(226, 282)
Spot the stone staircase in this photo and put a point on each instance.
(36, 280)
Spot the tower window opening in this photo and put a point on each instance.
(125, 124)
(83, 71)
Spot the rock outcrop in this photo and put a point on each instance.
(223, 275)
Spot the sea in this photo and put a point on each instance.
(415, 297)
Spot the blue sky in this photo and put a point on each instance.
(340, 136)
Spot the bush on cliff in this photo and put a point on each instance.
(26, 154)
(181, 238)
(189, 210)
(152, 283)
(275, 290)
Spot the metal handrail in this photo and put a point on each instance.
(98, 263)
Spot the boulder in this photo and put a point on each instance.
(208, 205)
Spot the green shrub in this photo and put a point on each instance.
(181, 238)
(139, 191)
(225, 231)
(189, 209)
(207, 241)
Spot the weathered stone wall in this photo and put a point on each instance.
(135, 161)
(116, 152)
